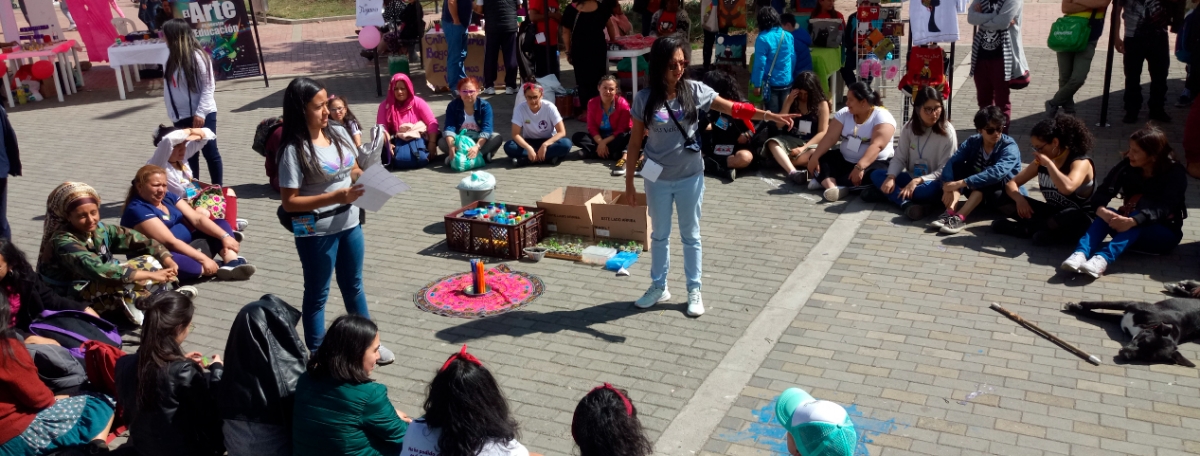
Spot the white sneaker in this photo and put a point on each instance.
(1074, 262)
(189, 291)
(695, 306)
(653, 296)
(133, 313)
(489, 91)
(814, 184)
(835, 193)
(509, 90)
(242, 224)
(1094, 267)
(385, 356)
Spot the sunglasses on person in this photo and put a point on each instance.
(992, 130)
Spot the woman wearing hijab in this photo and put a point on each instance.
(410, 123)
(77, 255)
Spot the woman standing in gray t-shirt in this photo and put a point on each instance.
(673, 172)
(316, 172)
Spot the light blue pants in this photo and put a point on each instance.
(456, 53)
(687, 195)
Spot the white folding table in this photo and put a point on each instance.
(632, 55)
(120, 58)
(56, 53)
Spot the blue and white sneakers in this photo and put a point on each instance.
(238, 269)
(653, 296)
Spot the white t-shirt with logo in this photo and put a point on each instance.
(863, 133)
(539, 125)
(421, 440)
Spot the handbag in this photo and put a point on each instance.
(1070, 33)
(211, 199)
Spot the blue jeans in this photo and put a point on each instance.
(925, 192)
(456, 53)
(773, 98)
(559, 148)
(1153, 238)
(212, 157)
(687, 195)
(320, 257)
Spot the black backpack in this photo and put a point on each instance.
(263, 132)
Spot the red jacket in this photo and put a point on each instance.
(619, 119)
(22, 394)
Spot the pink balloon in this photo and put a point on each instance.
(369, 37)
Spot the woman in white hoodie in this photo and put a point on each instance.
(188, 91)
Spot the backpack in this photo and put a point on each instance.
(263, 132)
(71, 328)
(410, 154)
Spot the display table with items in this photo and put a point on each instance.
(56, 54)
(124, 54)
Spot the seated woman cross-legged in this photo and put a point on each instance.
(979, 169)
(793, 148)
(410, 124)
(470, 115)
(1152, 185)
(865, 128)
(160, 215)
(539, 135)
(1066, 178)
(912, 180)
(608, 126)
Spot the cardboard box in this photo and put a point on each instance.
(434, 59)
(569, 210)
(617, 220)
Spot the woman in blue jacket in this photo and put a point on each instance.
(471, 113)
(979, 169)
(774, 56)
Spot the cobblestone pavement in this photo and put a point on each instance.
(897, 330)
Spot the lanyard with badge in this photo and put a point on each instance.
(853, 142)
(921, 168)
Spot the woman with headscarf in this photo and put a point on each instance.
(410, 123)
(77, 255)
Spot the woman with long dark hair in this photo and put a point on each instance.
(726, 142)
(926, 144)
(339, 409)
(168, 395)
(32, 419)
(1152, 185)
(665, 120)
(317, 169)
(865, 129)
(606, 424)
(608, 125)
(1066, 177)
(27, 295)
(466, 414)
(188, 87)
(793, 147)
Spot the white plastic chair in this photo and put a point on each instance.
(124, 25)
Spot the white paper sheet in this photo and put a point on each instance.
(380, 186)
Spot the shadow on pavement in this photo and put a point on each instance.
(525, 322)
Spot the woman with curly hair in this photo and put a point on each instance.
(1067, 178)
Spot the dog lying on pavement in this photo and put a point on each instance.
(1157, 329)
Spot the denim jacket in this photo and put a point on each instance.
(483, 117)
(1002, 166)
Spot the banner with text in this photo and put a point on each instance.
(368, 12)
(224, 30)
(435, 59)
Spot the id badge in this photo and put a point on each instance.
(540, 37)
(191, 192)
(304, 225)
(723, 149)
(722, 123)
(851, 144)
(803, 127)
(920, 169)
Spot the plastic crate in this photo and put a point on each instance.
(493, 239)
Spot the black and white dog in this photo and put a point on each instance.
(1156, 329)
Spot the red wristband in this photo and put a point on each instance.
(745, 112)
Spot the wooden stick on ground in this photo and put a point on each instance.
(1039, 331)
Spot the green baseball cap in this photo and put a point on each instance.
(819, 428)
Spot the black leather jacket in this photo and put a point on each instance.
(185, 421)
(264, 358)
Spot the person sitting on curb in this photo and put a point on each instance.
(608, 126)
(1152, 185)
(539, 135)
(1066, 178)
(912, 180)
(793, 148)
(980, 168)
(474, 114)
